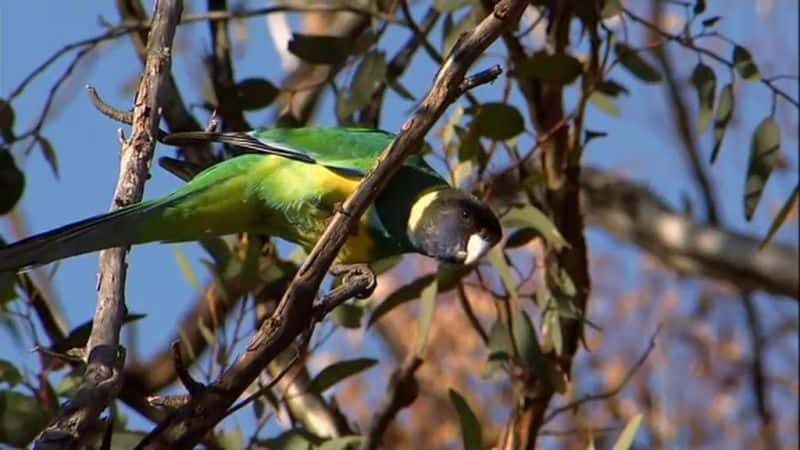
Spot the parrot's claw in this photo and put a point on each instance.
(356, 275)
(358, 281)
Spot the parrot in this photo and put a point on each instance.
(287, 182)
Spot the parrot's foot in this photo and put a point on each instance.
(359, 275)
(358, 281)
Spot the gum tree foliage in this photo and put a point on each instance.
(544, 343)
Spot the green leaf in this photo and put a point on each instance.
(521, 237)
(705, 82)
(470, 426)
(232, 439)
(348, 315)
(368, 77)
(9, 373)
(604, 103)
(527, 342)
(401, 90)
(320, 49)
(446, 279)
(255, 93)
(722, 116)
(69, 385)
(764, 152)
(611, 8)
(186, 268)
(612, 88)
(7, 283)
(49, 154)
(699, 7)
(497, 259)
(632, 60)
(497, 121)
(427, 303)
(710, 22)
(12, 181)
(6, 121)
(625, 439)
(21, 418)
(530, 216)
(780, 218)
(290, 440)
(402, 295)
(338, 371)
(743, 62)
(451, 32)
(446, 6)
(552, 68)
(342, 443)
(127, 439)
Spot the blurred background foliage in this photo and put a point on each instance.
(643, 156)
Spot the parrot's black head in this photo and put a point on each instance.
(451, 225)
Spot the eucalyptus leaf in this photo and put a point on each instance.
(722, 115)
(12, 182)
(552, 68)
(338, 371)
(705, 83)
(427, 303)
(342, 443)
(320, 49)
(9, 373)
(446, 6)
(21, 418)
(625, 439)
(497, 121)
(636, 65)
(780, 218)
(497, 259)
(255, 93)
(744, 64)
(6, 121)
(764, 152)
(49, 154)
(471, 433)
(530, 216)
(604, 102)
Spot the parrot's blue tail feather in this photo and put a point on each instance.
(114, 229)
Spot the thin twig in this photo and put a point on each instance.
(400, 393)
(759, 377)
(610, 393)
(769, 82)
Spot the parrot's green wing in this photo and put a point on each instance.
(347, 151)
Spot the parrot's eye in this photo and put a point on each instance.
(464, 214)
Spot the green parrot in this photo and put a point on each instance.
(287, 182)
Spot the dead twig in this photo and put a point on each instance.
(401, 392)
(574, 405)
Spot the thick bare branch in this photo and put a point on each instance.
(633, 213)
(106, 357)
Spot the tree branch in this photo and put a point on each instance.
(633, 213)
(292, 314)
(106, 357)
(401, 392)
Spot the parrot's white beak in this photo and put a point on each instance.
(477, 246)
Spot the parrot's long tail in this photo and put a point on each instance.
(114, 229)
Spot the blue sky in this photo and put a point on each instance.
(86, 142)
